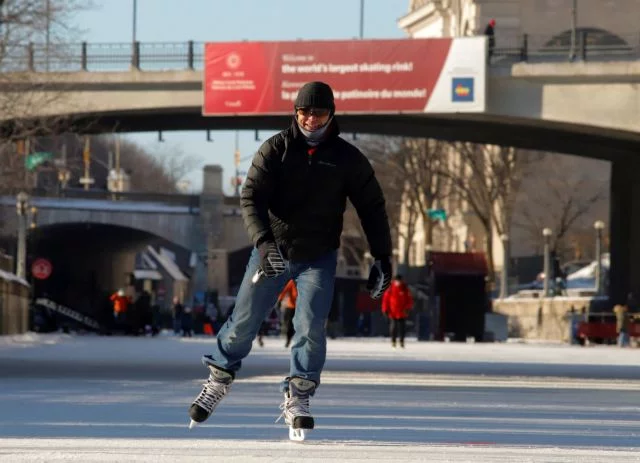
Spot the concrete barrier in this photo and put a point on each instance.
(541, 318)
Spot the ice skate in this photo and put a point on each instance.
(216, 387)
(295, 408)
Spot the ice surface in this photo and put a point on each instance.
(91, 398)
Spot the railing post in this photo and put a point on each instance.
(83, 56)
(524, 51)
(190, 58)
(31, 57)
(135, 57)
(583, 45)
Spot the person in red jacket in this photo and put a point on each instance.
(396, 304)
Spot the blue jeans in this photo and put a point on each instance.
(314, 281)
(623, 339)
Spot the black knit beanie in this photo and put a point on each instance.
(315, 95)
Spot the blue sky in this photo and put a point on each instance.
(228, 20)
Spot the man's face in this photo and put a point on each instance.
(312, 119)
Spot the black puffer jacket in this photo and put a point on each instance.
(298, 197)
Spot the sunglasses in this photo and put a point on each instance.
(318, 112)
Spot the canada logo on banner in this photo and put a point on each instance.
(367, 76)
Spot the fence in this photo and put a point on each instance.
(72, 57)
(187, 200)
(592, 45)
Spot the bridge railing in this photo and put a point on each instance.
(73, 57)
(190, 201)
(588, 46)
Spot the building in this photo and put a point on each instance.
(543, 23)
(541, 20)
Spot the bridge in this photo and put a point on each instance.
(589, 107)
(175, 218)
(541, 103)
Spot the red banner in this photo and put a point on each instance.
(366, 75)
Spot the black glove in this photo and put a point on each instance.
(379, 277)
(271, 260)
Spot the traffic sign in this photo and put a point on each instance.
(41, 269)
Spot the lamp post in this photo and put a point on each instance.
(598, 226)
(574, 22)
(504, 284)
(22, 205)
(135, 20)
(546, 232)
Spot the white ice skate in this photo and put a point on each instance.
(295, 408)
(216, 387)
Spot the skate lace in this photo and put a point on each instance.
(212, 392)
(294, 406)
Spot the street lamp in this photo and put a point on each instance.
(22, 205)
(504, 285)
(598, 226)
(546, 232)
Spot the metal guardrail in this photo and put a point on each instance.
(589, 46)
(187, 200)
(73, 57)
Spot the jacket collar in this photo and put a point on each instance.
(332, 131)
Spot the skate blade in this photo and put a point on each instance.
(297, 434)
(193, 424)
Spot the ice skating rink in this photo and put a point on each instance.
(95, 399)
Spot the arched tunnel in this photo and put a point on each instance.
(89, 262)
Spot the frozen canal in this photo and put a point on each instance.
(86, 398)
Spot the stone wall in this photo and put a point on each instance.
(541, 318)
(14, 307)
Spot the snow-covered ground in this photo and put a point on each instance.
(89, 398)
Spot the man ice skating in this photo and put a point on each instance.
(293, 203)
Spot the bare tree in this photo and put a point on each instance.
(489, 182)
(421, 162)
(408, 171)
(29, 30)
(560, 195)
(157, 172)
(353, 239)
(175, 163)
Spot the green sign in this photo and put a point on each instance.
(33, 160)
(437, 214)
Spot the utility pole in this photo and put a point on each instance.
(86, 180)
(361, 19)
(27, 151)
(22, 204)
(48, 32)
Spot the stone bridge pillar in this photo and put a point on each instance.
(624, 276)
(211, 214)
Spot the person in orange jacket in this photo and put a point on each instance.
(287, 300)
(396, 304)
(120, 306)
